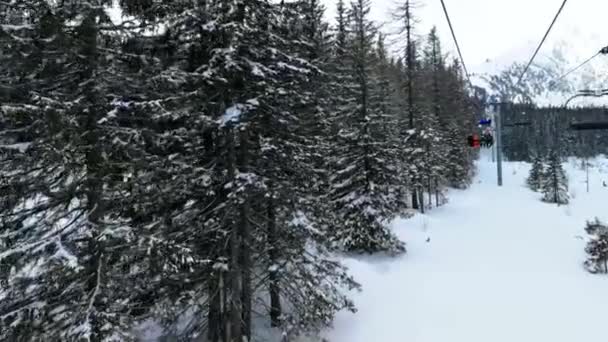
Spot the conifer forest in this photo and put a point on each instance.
(201, 163)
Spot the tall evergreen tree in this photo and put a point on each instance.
(245, 168)
(413, 154)
(555, 182)
(293, 145)
(433, 75)
(359, 191)
(385, 130)
(537, 172)
(434, 64)
(462, 122)
(66, 233)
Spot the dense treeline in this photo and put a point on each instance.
(530, 130)
(198, 162)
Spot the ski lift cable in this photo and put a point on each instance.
(464, 66)
(541, 43)
(576, 68)
(603, 51)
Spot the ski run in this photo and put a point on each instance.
(499, 266)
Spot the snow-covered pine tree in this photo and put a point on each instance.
(292, 131)
(434, 120)
(434, 72)
(555, 182)
(416, 140)
(385, 129)
(75, 255)
(597, 247)
(358, 192)
(439, 122)
(413, 152)
(537, 172)
(230, 169)
(432, 164)
(202, 105)
(397, 76)
(460, 123)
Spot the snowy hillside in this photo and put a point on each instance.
(499, 265)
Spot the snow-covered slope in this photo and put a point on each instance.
(500, 266)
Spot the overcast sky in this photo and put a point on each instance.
(492, 28)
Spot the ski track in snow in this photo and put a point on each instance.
(501, 266)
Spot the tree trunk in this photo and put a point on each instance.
(410, 64)
(421, 194)
(93, 161)
(410, 84)
(214, 310)
(216, 143)
(437, 193)
(430, 192)
(556, 187)
(234, 328)
(245, 232)
(215, 288)
(225, 306)
(273, 251)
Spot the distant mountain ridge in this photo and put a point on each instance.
(557, 56)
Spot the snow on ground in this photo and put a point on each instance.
(501, 266)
